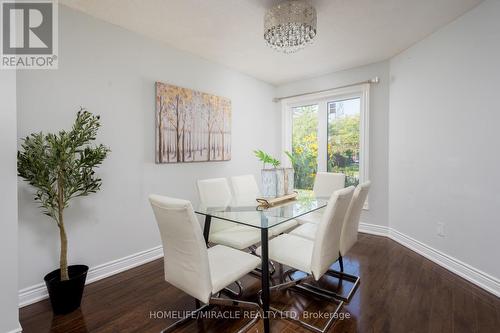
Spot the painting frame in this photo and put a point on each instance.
(191, 126)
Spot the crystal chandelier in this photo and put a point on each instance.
(290, 25)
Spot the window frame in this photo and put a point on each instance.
(362, 92)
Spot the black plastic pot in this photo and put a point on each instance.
(66, 296)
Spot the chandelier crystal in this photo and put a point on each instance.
(290, 25)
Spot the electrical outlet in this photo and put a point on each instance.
(440, 229)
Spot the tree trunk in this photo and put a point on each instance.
(223, 148)
(208, 146)
(190, 143)
(199, 142)
(63, 259)
(167, 139)
(183, 143)
(222, 133)
(160, 138)
(177, 130)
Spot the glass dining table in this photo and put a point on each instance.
(249, 213)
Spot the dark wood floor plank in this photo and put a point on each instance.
(468, 286)
(378, 290)
(441, 304)
(487, 318)
(417, 313)
(400, 291)
(464, 320)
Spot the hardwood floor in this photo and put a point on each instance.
(400, 291)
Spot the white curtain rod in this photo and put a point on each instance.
(374, 80)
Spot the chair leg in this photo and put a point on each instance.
(218, 301)
(273, 268)
(341, 263)
(297, 284)
(342, 276)
(241, 304)
(233, 293)
(184, 320)
(253, 250)
(257, 271)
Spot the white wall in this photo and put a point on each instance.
(379, 129)
(112, 72)
(8, 203)
(444, 125)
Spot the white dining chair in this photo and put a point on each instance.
(348, 236)
(325, 183)
(246, 191)
(216, 192)
(313, 257)
(190, 266)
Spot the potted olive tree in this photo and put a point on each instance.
(61, 167)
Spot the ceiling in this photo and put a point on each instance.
(351, 33)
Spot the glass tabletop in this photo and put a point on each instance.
(248, 212)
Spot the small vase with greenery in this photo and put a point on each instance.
(61, 168)
(275, 181)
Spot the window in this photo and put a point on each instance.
(343, 138)
(305, 145)
(327, 132)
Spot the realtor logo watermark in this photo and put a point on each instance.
(29, 36)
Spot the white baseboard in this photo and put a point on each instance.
(38, 292)
(474, 275)
(374, 229)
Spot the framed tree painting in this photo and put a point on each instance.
(191, 126)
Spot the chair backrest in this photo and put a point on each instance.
(185, 253)
(245, 189)
(215, 192)
(349, 234)
(326, 183)
(327, 240)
